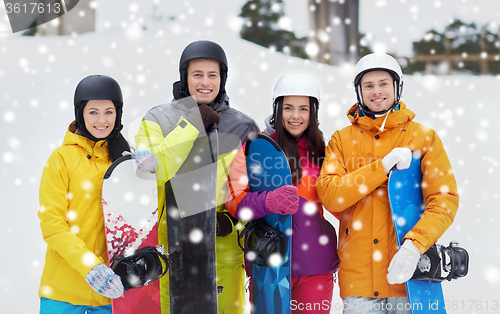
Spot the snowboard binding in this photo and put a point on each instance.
(439, 259)
(264, 241)
(140, 267)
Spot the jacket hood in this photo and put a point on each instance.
(394, 119)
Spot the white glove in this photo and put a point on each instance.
(403, 263)
(399, 157)
(105, 282)
(146, 160)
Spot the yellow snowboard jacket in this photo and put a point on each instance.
(71, 219)
(353, 182)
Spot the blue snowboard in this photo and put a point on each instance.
(268, 170)
(405, 197)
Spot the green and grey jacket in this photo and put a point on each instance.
(170, 131)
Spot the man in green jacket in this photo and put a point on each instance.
(169, 131)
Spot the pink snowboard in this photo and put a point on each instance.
(130, 209)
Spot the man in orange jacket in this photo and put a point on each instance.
(353, 182)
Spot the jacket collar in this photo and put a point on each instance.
(94, 148)
(394, 119)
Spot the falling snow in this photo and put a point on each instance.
(39, 74)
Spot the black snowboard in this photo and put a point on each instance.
(191, 225)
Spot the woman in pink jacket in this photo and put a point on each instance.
(294, 126)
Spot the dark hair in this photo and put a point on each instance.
(116, 146)
(315, 144)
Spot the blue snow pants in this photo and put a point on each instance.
(48, 306)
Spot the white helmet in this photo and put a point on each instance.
(378, 61)
(296, 84)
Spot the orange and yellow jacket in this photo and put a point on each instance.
(353, 182)
(71, 219)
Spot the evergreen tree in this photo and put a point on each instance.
(262, 27)
(463, 39)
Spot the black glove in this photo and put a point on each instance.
(224, 225)
(208, 115)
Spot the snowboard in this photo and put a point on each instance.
(130, 210)
(191, 228)
(405, 198)
(267, 169)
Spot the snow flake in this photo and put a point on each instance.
(310, 208)
(245, 214)
(8, 157)
(89, 259)
(196, 187)
(323, 240)
(46, 290)
(251, 256)
(196, 235)
(71, 215)
(275, 259)
(379, 47)
(14, 143)
(492, 275)
(357, 225)
(377, 256)
(363, 189)
(75, 229)
(312, 49)
(140, 79)
(43, 49)
(129, 196)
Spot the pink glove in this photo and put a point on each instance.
(283, 200)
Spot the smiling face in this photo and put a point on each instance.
(296, 114)
(377, 89)
(203, 78)
(99, 117)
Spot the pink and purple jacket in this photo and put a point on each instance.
(314, 241)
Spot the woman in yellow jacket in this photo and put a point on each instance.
(353, 182)
(75, 277)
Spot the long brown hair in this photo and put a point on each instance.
(315, 143)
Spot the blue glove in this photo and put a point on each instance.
(146, 160)
(105, 282)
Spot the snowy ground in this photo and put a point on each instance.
(37, 81)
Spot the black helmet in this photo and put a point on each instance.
(98, 87)
(203, 49)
